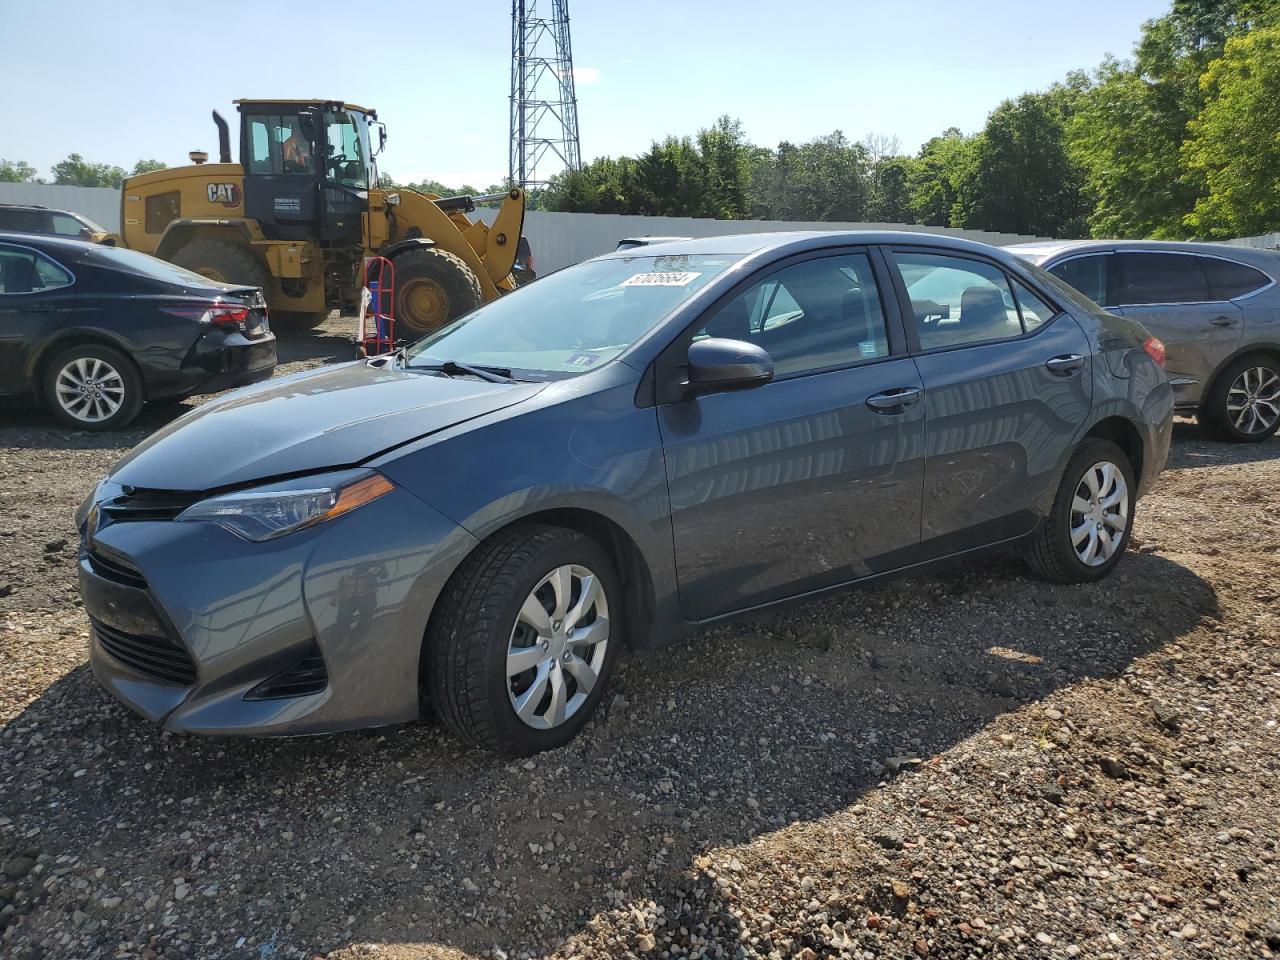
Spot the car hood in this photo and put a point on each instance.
(334, 417)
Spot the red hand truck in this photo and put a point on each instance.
(377, 333)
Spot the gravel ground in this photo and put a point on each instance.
(969, 764)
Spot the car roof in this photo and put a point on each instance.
(1042, 252)
(782, 243)
(46, 241)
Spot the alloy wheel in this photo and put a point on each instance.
(557, 647)
(1253, 400)
(90, 390)
(1099, 513)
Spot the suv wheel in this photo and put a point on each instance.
(1088, 528)
(521, 646)
(1243, 405)
(92, 387)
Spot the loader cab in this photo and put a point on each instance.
(308, 168)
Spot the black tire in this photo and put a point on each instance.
(433, 287)
(466, 644)
(123, 385)
(226, 261)
(1051, 553)
(298, 319)
(1214, 416)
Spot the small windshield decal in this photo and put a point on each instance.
(665, 279)
(582, 360)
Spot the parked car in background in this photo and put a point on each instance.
(92, 331)
(1216, 307)
(522, 268)
(33, 218)
(609, 458)
(630, 243)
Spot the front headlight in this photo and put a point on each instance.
(264, 513)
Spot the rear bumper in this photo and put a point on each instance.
(220, 361)
(189, 621)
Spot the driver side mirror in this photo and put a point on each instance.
(717, 365)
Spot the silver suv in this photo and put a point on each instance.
(1216, 307)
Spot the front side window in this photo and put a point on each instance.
(348, 146)
(1159, 278)
(25, 271)
(1086, 274)
(574, 320)
(1229, 280)
(809, 316)
(956, 300)
(65, 226)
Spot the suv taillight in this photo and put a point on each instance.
(1155, 350)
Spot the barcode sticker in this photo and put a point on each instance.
(661, 279)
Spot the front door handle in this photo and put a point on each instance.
(1223, 322)
(895, 400)
(1065, 365)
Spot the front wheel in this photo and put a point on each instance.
(1088, 527)
(522, 643)
(433, 287)
(1243, 405)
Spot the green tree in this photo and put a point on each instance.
(147, 166)
(1234, 147)
(726, 170)
(890, 197)
(1021, 179)
(934, 176)
(77, 171)
(824, 179)
(17, 171)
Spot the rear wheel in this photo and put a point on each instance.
(1243, 404)
(521, 646)
(224, 261)
(1088, 527)
(433, 287)
(92, 387)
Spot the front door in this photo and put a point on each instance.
(1007, 386)
(813, 479)
(37, 296)
(281, 183)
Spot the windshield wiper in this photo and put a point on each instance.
(452, 368)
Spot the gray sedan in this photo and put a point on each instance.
(605, 460)
(1215, 307)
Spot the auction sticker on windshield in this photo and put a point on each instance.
(661, 279)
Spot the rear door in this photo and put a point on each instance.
(813, 479)
(1008, 387)
(37, 296)
(1169, 294)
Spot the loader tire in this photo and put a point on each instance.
(433, 287)
(224, 261)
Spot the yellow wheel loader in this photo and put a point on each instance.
(301, 211)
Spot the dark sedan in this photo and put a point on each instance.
(93, 332)
(607, 459)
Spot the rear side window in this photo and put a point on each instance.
(1229, 280)
(25, 271)
(957, 301)
(1086, 274)
(1157, 278)
(1035, 312)
(22, 221)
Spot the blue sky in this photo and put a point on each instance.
(121, 81)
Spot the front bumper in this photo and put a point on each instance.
(189, 622)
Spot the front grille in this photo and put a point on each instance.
(157, 657)
(138, 504)
(115, 569)
(306, 677)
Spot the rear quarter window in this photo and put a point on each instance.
(1229, 279)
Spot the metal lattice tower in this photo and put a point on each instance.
(544, 107)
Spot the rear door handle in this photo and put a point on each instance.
(1065, 365)
(895, 400)
(1223, 322)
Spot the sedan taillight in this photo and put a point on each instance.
(1155, 350)
(217, 312)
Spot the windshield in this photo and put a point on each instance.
(347, 136)
(574, 320)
